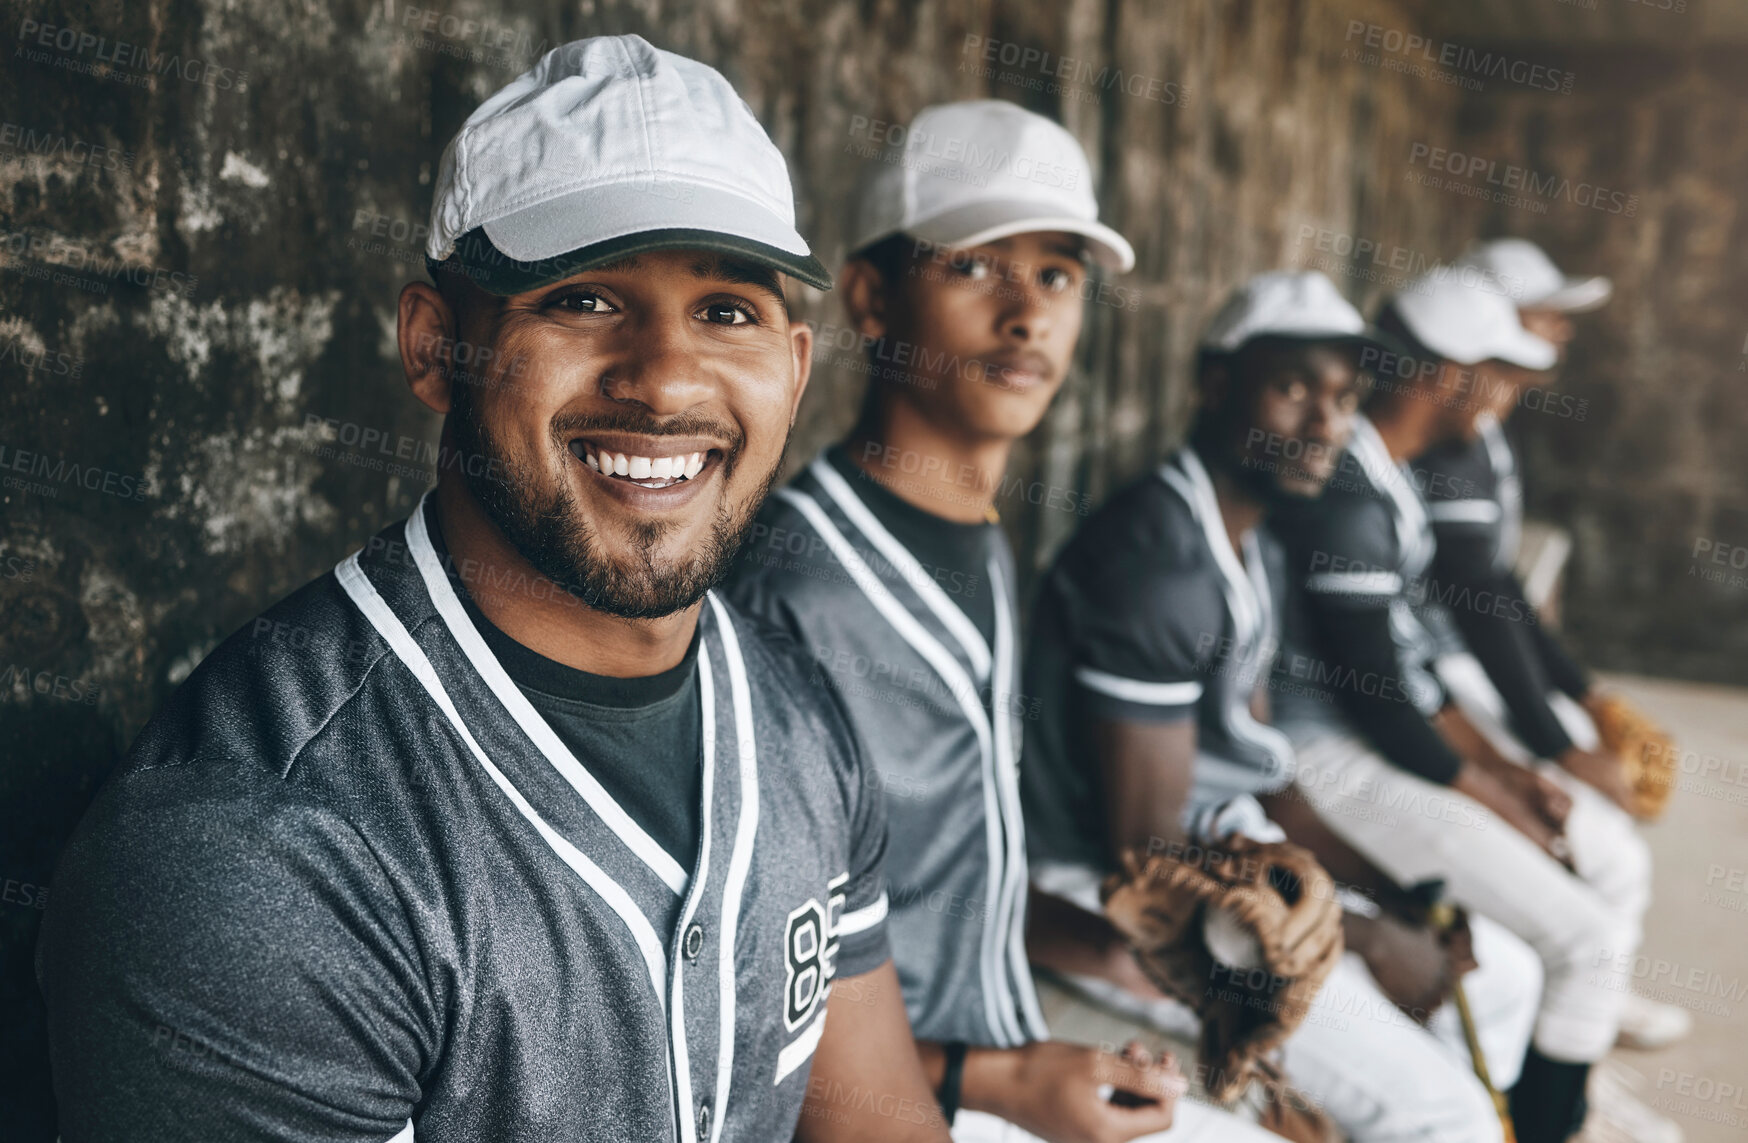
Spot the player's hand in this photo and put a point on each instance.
(1412, 964)
(1493, 792)
(1070, 1093)
(1602, 770)
(1541, 794)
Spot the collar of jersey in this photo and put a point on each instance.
(1392, 479)
(909, 568)
(532, 723)
(1246, 591)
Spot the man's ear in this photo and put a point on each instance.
(1214, 383)
(801, 346)
(426, 333)
(864, 295)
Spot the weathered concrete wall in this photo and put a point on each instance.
(201, 260)
(1652, 480)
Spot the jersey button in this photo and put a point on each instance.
(703, 1122)
(694, 941)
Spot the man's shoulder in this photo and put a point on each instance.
(784, 541)
(801, 708)
(1455, 470)
(788, 570)
(1145, 530)
(261, 696)
(767, 648)
(1350, 503)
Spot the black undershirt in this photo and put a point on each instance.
(956, 555)
(639, 737)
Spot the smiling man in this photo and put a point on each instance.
(531, 836)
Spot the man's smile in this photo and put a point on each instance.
(622, 462)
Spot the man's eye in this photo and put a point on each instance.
(584, 302)
(723, 313)
(1056, 280)
(976, 269)
(1294, 390)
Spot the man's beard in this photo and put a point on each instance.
(549, 530)
(1263, 481)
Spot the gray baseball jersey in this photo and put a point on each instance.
(1470, 491)
(349, 885)
(1472, 488)
(938, 711)
(1475, 502)
(1363, 550)
(1148, 614)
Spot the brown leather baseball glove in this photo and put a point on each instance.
(1647, 751)
(1278, 908)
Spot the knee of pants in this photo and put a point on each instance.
(1510, 974)
(1480, 1118)
(1447, 1104)
(1591, 944)
(1382, 1078)
(1624, 878)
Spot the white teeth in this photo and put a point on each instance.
(662, 470)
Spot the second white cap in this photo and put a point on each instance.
(980, 170)
(1284, 303)
(1532, 279)
(1467, 324)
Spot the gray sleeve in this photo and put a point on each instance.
(861, 922)
(1349, 559)
(1143, 633)
(221, 961)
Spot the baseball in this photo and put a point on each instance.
(1229, 942)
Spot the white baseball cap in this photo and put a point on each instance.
(972, 172)
(1536, 283)
(606, 148)
(1463, 323)
(1301, 304)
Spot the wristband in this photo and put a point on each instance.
(951, 1079)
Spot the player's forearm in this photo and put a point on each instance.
(1148, 769)
(1063, 937)
(990, 1080)
(1463, 737)
(1369, 685)
(866, 1084)
(1563, 670)
(1503, 640)
(987, 1077)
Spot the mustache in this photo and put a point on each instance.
(1019, 360)
(644, 423)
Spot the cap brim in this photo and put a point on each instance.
(548, 241)
(1515, 347)
(980, 222)
(1371, 337)
(1385, 343)
(1576, 296)
(1526, 349)
(495, 272)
